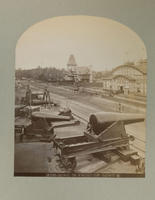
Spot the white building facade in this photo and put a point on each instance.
(128, 78)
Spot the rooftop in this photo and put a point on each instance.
(71, 61)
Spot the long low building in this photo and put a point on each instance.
(127, 78)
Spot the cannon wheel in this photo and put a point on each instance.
(69, 163)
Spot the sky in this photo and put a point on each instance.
(96, 41)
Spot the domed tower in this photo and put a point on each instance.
(71, 65)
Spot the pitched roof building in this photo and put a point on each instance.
(78, 73)
(130, 78)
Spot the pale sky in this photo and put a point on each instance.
(96, 41)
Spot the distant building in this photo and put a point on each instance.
(127, 78)
(78, 73)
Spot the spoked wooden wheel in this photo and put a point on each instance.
(69, 163)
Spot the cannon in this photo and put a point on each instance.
(105, 132)
(101, 122)
(42, 123)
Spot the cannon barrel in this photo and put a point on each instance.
(49, 116)
(101, 120)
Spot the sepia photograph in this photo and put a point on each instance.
(80, 99)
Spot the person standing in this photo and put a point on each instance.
(46, 96)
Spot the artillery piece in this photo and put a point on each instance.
(42, 123)
(105, 132)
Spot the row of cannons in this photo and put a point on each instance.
(104, 132)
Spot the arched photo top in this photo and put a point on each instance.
(97, 41)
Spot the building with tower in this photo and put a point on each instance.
(78, 73)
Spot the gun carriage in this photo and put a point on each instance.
(105, 132)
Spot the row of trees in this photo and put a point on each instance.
(50, 74)
(44, 74)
